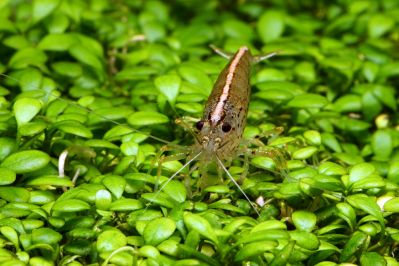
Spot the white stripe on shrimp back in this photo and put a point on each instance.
(217, 113)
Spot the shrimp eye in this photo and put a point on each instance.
(226, 127)
(199, 125)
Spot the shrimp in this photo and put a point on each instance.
(218, 134)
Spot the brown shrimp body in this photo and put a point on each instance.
(223, 122)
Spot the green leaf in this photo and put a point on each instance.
(348, 103)
(26, 161)
(149, 252)
(7, 146)
(268, 225)
(194, 108)
(360, 171)
(110, 240)
(264, 163)
(159, 199)
(326, 182)
(103, 199)
(386, 95)
(379, 24)
(57, 23)
(200, 225)
(7, 176)
(147, 118)
(70, 205)
(6, 24)
(304, 153)
(330, 168)
(14, 194)
(263, 234)
(253, 249)
(32, 128)
(40, 197)
(392, 205)
(349, 158)
(372, 258)
(370, 70)
(80, 247)
(331, 141)
(356, 242)
(283, 255)
(86, 56)
(222, 189)
(42, 8)
(125, 205)
(11, 235)
(237, 29)
(308, 100)
(195, 34)
(25, 109)
(382, 144)
(130, 148)
(169, 247)
(17, 42)
(275, 95)
(115, 184)
(74, 128)
(169, 86)
(50, 180)
(158, 230)
(304, 220)
(99, 143)
(271, 75)
(305, 239)
(73, 70)
(306, 71)
(346, 212)
(176, 190)
(40, 261)
(135, 73)
(58, 42)
(196, 77)
(371, 106)
(271, 25)
(45, 236)
(371, 182)
(366, 204)
(27, 56)
(31, 79)
(393, 172)
(313, 137)
(154, 31)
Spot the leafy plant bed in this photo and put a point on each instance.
(90, 92)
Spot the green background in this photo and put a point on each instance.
(89, 91)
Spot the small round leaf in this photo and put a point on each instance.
(144, 118)
(25, 109)
(70, 205)
(158, 230)
(169, 86)
(26, 161)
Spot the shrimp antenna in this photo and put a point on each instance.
(260, 58)
(93, 112)
(235, 183)
(173, 176)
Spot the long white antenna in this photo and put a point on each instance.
(93, 112)
(235, 183)
(260, 58)
(170, 178)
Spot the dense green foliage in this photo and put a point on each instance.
(84, 84)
